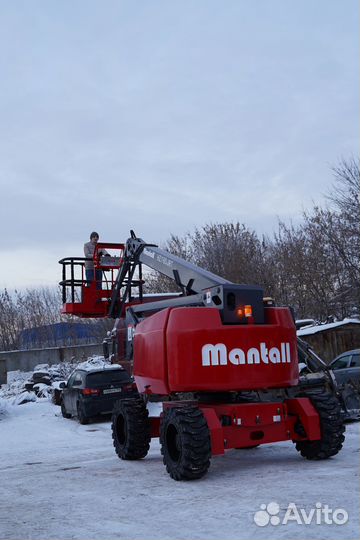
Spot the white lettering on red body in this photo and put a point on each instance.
(218, 355)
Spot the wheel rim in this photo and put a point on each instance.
(173, 443)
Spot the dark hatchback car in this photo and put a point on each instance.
(89, 393)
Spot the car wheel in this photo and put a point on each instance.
(83, 419)
(63, 411)
(56, 396)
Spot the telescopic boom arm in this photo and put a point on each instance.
(198, 286)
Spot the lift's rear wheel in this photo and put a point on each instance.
(130, 426)
(331, 426)
(185, 443)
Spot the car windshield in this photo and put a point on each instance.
(340, 363)
(101, 378)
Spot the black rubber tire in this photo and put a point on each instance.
(185, 443)
(83, 419)
(331, 425)
(130, 427)
(56, 396)
(63, 411)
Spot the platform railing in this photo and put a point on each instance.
(69, 283)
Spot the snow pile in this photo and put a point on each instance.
(3, 408)
(23, 387)
(23, 397)
(15, 386)
(96, 362)
(55, 372)
(18, 375)
(43, 382)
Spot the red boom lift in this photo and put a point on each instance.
(220, 358)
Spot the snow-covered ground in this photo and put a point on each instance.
(61, 480)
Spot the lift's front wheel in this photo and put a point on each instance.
(185, 443)
(130, 429)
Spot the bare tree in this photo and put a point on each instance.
(313, 267)
(29, 319)
(230, 250)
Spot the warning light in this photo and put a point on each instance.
(245, 312)
(248, 311)
(240, 312)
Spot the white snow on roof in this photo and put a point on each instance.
(95, 363)
(323, 327)
(303, 321)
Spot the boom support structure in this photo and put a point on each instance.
(198, 286)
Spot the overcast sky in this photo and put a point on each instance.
(165, 115)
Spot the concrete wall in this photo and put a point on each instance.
(26, 360)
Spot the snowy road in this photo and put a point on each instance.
(61, 480)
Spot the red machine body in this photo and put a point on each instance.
(180, 350)
(189, 349)
(251, 424)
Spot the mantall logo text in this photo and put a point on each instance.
(218, 355)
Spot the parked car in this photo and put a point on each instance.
(89, 393)
(346, 367)
(344, 370)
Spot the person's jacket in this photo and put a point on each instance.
(89, 249)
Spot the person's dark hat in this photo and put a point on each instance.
(94, 235)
